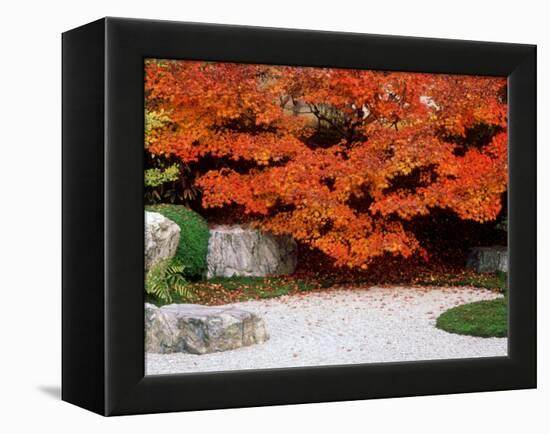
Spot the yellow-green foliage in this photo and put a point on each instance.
(157, 176)
(154, 120)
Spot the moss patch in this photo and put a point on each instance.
(223, 290)
(481, 318)
(494, 281)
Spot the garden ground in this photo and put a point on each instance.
(347, 326)
(224, 290)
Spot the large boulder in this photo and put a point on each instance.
(161, 238)
(488, 259)
(197, 329)
(241, 251)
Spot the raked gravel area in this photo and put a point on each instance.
(377, 324)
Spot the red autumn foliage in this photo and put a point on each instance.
(337, 158)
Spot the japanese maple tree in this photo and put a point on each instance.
(339, 159)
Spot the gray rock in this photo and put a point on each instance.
(162, 236)
(488, 259)
(160, 330)
(197, 329)
(239, 251)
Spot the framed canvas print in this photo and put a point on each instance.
(258, 216)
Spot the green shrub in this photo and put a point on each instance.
(193, 245)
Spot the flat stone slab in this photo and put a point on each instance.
(197, 329)
(488, 259)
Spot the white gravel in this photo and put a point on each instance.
(378, 324)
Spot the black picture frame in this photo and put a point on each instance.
(103, 331)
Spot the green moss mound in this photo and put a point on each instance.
(193, 245)
(481, 318)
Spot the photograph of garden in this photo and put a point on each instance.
(299, 216)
